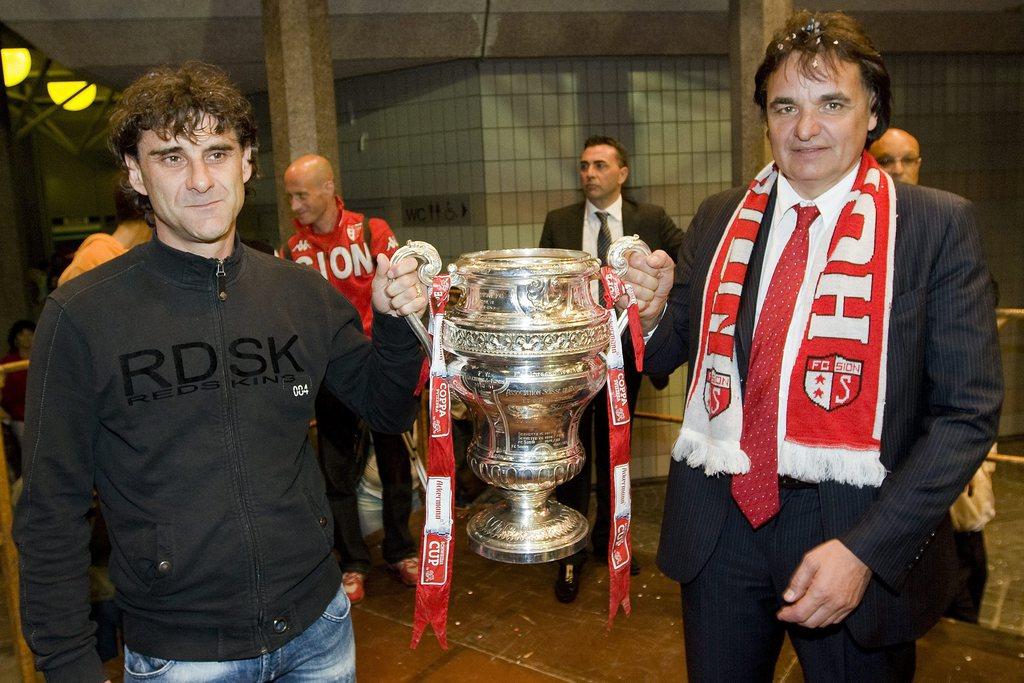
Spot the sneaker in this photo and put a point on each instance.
(353, 583)
(407, 571)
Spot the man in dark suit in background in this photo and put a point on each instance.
(592, 225)
(828, 522)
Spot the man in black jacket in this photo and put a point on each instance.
(170, 381)
(592, 225)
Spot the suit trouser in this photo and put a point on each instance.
(343, 450)
(731, 631)
(594, 437)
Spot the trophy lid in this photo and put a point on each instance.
(527, 263)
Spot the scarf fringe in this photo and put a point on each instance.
(846, 466)
(714, 455)
(806, 463)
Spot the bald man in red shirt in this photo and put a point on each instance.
(343, 246)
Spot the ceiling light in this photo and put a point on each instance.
(17, 62)
(60, 91)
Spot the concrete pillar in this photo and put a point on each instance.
(13, 265)
(751, 25)
(300, 85)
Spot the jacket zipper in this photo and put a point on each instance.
(222, 296)
(222, 292)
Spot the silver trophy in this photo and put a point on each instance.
(523, 339)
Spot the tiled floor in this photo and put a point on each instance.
(505, 625)
(1003, 606)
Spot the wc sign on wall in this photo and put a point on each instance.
(436, 210)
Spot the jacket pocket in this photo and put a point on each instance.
(149, 552)
(322, 518)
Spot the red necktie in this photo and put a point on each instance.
(757, 491)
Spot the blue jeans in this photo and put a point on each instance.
(323, 652)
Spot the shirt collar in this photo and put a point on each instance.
(186, 268)
(829, 203)
(614, 210)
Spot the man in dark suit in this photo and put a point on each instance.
(848, 551)
(592, 225)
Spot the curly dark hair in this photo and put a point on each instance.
(834, 37)
(172, 102)
(620, 151)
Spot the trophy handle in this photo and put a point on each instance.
(430, 265)
(617, 255)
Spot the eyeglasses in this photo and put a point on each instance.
(887, 161)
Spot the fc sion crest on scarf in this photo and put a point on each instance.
(832, 381)
(717, 392)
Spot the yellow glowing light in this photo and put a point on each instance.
(17, 62)
(60, 91)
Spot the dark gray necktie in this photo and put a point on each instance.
(604, 237)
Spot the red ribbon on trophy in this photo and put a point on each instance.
(615, 287)
(619, 543)
(437, 547)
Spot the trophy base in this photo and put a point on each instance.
(508, 534)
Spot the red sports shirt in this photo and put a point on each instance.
(343, 257)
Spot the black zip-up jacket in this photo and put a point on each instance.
(181, 387)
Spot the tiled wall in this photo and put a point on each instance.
(672, 114)
(967, 111)
(415, 133)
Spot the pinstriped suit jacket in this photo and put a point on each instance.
(943, 395)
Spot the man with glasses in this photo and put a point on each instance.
(899, 154)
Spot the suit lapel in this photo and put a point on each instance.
(628, 218)
(574, 232)
(751, 284)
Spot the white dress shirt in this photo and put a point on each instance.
(829, 204)
(591, 228)
(592, 224)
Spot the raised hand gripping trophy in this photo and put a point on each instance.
(523, 342)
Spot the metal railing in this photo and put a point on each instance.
(1010, 313)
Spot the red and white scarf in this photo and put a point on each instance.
(831, 407)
